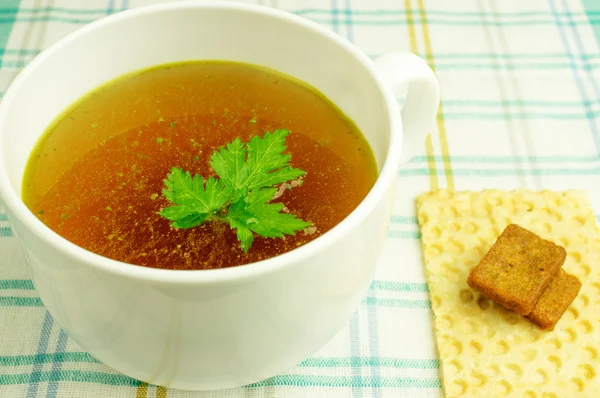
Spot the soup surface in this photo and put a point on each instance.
(96, 175)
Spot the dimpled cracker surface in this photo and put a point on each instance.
(486, 350)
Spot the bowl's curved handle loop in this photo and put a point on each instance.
(422, 101)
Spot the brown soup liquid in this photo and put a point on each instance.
(96, 175)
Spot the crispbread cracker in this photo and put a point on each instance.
(486, 350)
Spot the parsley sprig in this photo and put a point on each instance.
(248, 175)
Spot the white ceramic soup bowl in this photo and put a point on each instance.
(222, 328)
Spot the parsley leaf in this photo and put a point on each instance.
(197, 199)
(259, 216)
(248, 174)
(264, 166)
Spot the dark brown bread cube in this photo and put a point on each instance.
(517, 269)
(555, 300)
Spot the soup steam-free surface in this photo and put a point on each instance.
(96, 176)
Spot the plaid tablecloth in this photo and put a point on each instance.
(520, 108)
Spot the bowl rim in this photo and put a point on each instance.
(13, 201)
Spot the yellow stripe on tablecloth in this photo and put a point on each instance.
(440, 119)
(433, 178)
(142, 391)
(161, 392)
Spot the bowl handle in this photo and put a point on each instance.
(422, 101)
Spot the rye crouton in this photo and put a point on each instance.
(517, 269)
(555, 300)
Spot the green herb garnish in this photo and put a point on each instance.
(248, 174)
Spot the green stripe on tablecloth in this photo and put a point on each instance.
(405, 234)
(519, 115)
(505, 173)
(25, 10)
(16, 284)
(21, 360)
(398, 21)
(440, 56)
(459, 56)
(406, 219)
(282, 380)
(19, 52)
(522, 66)
(316, 362)
(69, 375)
(441, 66)
(16, 301)
(397, 303)
(308, 11)
(505, 56)
(6, 27)
(344, 362)
(413, 220)
(592, 9)
(540, 103)
(347, 381)
(442, 22)
(26, 284)
(382, 12)
(511, 159)
(12, 301)
(412, 287)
